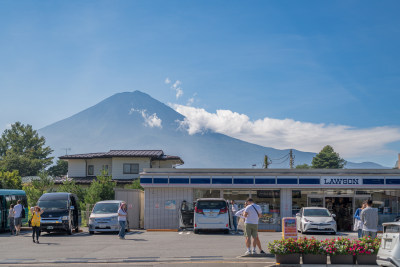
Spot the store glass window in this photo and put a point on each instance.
(207, 193)
(270, 203)
(239, 196)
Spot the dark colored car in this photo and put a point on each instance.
(61, 212)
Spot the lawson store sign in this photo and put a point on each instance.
(341, 180)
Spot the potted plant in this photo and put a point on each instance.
(340, 250)
(366, 249)
(313, 251)
(286, 251)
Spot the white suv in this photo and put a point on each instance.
(104, 217)
(211, 213)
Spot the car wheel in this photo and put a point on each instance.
(226, 231)
(91, 232)
(196, 231)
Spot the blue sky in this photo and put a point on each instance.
(334, 63)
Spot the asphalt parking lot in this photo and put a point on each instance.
(140, 248)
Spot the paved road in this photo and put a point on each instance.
(139, 248)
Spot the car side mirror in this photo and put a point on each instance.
(297, 214)
(333, 215)
(72, 208)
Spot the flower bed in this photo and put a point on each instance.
(341, 250)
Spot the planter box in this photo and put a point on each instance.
(314, 259)
(342, 259)
(366, 259)
(288, 259)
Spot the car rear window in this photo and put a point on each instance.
(392, 229)
(211, 204)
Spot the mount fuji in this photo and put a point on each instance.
(135, 120)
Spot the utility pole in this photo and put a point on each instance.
(291, 158)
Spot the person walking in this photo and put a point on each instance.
(18, 217)
(252, 213)
(36, 216)
(122, 213)
(234, 208)
(357, 220)
(11, 219)
(369, 220)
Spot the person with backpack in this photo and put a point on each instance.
(19, 213)
(35, 222)
(251, 214)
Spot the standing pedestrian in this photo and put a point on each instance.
(122, 213)
(11, 219)
(357, 220)
(18, 217)
(234, 208)
(36, 214)
(252, 213)
(369, 220)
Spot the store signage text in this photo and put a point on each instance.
(340, 181)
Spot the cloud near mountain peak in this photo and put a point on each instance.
(288, 133)
(149, 120)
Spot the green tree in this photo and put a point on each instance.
(70, 186)
(267, 162)
(60, 169)
(102, 188)
(37, 187)
(22, 149)
(135, 185)
(10, 180)
(327, 158)
(303, 166)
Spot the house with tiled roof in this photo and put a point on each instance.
(123, 165)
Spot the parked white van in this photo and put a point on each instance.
(104, 217)
(389, 250)
(211, 214)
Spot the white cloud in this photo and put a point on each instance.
(190, 101)
(177, 87)
(149, 120)
(287, 133)
(167, 81)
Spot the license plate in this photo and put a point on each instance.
(321, 228)
(102, 226)
(49, 227)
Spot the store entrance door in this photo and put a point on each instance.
(342, 207)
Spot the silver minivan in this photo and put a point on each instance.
(104, 217)
(389, 250)
(211, 214)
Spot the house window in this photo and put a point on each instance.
(90, 170)
(131, 168)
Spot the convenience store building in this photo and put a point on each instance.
(279, 192)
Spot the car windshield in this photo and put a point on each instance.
(106, 208)
(61, 204)
(211, 204)
(316, 213)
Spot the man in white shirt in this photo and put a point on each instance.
(234, 208)
(17, 217)
(252, 213)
